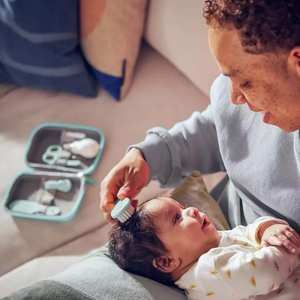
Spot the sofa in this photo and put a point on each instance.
(172, 76)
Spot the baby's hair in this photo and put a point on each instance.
(134, 244)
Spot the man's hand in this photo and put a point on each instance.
(277, 234)
(126, 179)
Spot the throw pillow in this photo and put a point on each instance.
(40, 46)
(192, 192)
(111, 34)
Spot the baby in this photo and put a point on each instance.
(171, 244)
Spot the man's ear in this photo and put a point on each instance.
(166, 263)
(294, 59)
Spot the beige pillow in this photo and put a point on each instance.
(192, 192)
(111, 32)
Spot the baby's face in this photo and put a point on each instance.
(186, 232)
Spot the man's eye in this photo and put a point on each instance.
(246, 84)
(177, 217)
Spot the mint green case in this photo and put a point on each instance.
(30, 184)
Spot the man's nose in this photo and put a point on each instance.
(236, 96)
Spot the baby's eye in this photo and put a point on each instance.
(177, 217)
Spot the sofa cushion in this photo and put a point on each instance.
(40, 46)
(111, 34)
(97, 277)
(193, 192)
(178, 31)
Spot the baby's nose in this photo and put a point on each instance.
(191, 211)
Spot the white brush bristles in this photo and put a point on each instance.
(126, 214)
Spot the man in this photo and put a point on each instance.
(256, 44)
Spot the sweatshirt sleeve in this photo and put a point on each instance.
(189, 145)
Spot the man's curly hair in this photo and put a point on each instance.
(263, 25)
(134, 244)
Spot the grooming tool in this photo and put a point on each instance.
(62, 185)
(87, 148)
(73, 163)
(52, 154)
(46, 197)
(69, 162)
(70, 136)
(66, 154)
(43, 196)
(123, 210)
(31, 207)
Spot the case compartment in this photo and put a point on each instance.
(53, 185)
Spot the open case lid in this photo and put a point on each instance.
(49, 148)
(53, 187)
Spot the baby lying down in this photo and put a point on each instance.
(168, 243)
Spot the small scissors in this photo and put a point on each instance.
(52, 154)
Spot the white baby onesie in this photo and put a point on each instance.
(240, 269)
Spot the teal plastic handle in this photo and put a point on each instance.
(62, 185)
(31, 207)
(123, 210)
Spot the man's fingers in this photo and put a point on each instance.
(108, 194)
(283, 240)
(293, 236)
(107, 201)
(288, 245)
(127, 191)
(126, 179)
(108, 218)
(131, 187)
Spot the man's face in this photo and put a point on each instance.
(267, 83)
(185, 232)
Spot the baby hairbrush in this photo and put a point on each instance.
(123, 210)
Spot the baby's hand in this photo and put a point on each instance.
(281, 235)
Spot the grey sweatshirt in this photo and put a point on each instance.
(262, 161)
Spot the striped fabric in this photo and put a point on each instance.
(40, 46)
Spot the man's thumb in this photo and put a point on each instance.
(124, 192)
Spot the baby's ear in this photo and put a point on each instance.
(166, 263)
